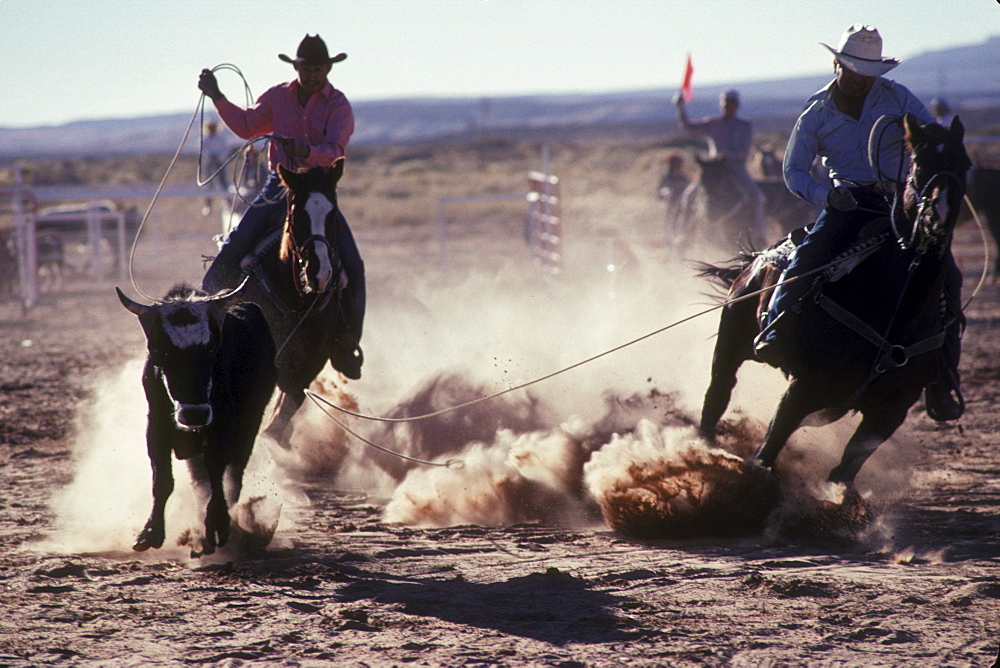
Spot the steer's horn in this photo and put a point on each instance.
(223, 296)
(132, 305)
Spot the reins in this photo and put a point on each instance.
(888, 354)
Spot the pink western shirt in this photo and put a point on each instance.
(325, 124)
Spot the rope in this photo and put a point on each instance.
(986, 252)
(198, 111)
(320, 401)
(152, 202)
(593, 358)
(676, 323)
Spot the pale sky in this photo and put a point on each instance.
(65, 60)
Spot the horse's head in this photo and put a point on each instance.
(935, 183)
(311, 226)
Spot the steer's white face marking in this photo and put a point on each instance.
(318, 207)
(186, 332)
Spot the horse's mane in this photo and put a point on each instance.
(723, 275)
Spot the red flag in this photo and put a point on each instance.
(688, 84)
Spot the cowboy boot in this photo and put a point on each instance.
(943, 397)
(345, 354)
(347, 357)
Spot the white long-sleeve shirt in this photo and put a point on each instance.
(842, 141)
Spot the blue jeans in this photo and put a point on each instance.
(832, 232)
(225, 272)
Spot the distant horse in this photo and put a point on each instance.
(984, 193)
(869, 341)
(768, 161)
(714, 210)
(785, 208)
(296, 278)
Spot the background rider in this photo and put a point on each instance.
(730, 138)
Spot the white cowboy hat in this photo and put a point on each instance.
(860, 51)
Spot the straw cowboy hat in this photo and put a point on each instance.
(312, 51)
(860, 51)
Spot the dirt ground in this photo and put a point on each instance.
(375, 563)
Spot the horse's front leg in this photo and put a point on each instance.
(796, 404)
(733, 346)
(875, 429)
(287, 405)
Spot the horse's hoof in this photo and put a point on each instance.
(147, 539)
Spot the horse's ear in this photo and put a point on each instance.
(957, 129)
(288, 177)
(912, 127)
(336, 171)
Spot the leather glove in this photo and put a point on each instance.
(208, 85)
(841, 199)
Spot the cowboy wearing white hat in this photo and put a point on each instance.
(860, 50)
(835, 126)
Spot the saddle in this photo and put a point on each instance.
(868, 240)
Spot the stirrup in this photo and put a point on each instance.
(944, 402)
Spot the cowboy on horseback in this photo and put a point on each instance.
(730, 138)
(311, 122)
(836, 126)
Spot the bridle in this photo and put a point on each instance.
(297, 253)
(924, 231)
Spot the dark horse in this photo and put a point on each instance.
(870, 340)
(713, 209)
(297, 280)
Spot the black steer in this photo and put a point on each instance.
(208, 377)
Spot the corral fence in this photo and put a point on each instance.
(545, 221)
(29, 217)
(542, 224)
(32, 226)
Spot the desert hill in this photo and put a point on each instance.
(967, 75)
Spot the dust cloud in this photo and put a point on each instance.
(108, 501)
(611, 441)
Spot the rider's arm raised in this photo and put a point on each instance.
(247, 123)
